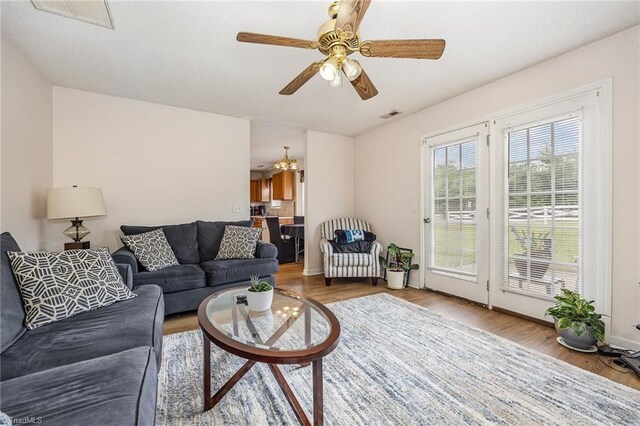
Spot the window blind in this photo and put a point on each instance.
(454, 208)
(542, 232)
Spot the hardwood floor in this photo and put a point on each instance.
(537, 336)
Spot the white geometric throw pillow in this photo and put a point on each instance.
(152, 249)
(55, 286)
(238, 242)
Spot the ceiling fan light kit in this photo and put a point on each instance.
(351, 68)
(337, 81)
(337, 39)
(329, 69)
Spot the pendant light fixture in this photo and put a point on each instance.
(286, 163)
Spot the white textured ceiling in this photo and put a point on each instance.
(184, 53)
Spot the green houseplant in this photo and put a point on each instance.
(259, 294)
(399, 262)
(539, 246)
(576, 320)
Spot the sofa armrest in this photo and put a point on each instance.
(266, 250)
(376, 249)
(126, 256)
(325, 247)
(127, 275)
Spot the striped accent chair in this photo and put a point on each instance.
(348, 264)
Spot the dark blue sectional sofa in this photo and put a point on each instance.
(198, 275)
(99, 367)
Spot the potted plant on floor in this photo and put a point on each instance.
(399, 262)
(259, 294)
(540, 248)
(576, 321)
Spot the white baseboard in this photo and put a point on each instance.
(312, 271)
(413, 284)
(624, 343)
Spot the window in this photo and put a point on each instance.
(454, 208)
(542, 207)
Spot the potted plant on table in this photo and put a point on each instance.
(259, 294)
(399, 262)
(576, 321)
(540, 248)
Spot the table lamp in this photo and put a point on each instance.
(75, 203)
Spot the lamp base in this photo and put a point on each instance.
(77, 246)
(76, 231)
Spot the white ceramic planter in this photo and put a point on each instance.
(395, 280)
(259, 301)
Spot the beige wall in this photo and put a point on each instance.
(155, 164)
(387, 170)
(26, 149)
(329, 189)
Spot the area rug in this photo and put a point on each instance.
(398, 364)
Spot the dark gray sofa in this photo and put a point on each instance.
(196, 245)
(98, 367)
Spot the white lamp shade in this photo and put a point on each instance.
(72, 202)
(352, 69)
(329, 69)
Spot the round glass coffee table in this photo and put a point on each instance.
(296, 330)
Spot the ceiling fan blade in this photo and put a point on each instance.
(418, 49)
(301, 79)
(350, 14)
(364, 86)
(275, 40)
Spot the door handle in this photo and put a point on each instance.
(427, 220)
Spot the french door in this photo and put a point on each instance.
(546, 221)
(512, 220)
(456, 213)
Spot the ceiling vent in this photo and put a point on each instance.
(390, 114)
(92, 11)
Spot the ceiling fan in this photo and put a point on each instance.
(337, 39)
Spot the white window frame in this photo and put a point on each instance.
(503, 209)
(596, 262)
(470, 276)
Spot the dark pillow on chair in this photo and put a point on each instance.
(352, 235)
(356, 247)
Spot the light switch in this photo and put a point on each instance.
(236, 208)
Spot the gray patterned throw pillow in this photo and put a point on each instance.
(55, 286)
(152, 249)
(238, 242)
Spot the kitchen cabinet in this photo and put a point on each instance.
(264, 190)
(283, 185)
(259, 191)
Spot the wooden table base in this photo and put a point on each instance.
(318, 405)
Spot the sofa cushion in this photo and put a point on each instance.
(233, 270)
(182, 238)
(11, 311)
(173, 278)
(58, 285)
(352, 259)
(238, 242)
(114, 328)
(210, 237)
(117, 389)
(151, 249)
